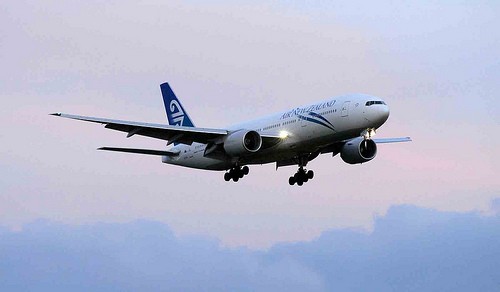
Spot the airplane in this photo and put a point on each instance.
(342, 125)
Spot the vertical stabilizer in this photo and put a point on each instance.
(176, 113)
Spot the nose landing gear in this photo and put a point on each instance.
(236, 173)
(301, 177)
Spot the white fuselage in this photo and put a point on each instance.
(303, 130)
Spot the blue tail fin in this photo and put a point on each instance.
(176, 113)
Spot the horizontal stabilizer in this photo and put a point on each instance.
(141, 151)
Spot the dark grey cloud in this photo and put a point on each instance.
(410, 249)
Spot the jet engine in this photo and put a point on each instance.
(242, 143)
(358, 150)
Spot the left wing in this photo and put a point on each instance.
(172, 134)
(392, 140)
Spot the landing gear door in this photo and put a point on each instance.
(345, 109)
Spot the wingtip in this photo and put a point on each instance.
(55, 114)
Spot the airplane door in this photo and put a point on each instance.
(303, 123)
(305, 130)
(345, 109)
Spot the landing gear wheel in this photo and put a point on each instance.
(299, 179)
(301, 176)
(236, 173)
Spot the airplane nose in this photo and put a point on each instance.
(384, 113)
(378, 115)
(376, 112)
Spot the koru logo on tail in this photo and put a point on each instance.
(177, 113)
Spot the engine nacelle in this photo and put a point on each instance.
(242, 143)
(358, 150)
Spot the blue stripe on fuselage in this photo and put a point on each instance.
(309, 119)
(322, 118)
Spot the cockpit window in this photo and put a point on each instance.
(372, 102)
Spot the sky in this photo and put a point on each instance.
(436, 64)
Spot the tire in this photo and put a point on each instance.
(310, 174)
(291, 180)
(236, 179)
(245, 170)
(227, 176)
(299, 179)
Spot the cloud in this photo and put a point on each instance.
(495, 206)
(410, 249)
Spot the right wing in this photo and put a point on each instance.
(172, 134)
(141, 151)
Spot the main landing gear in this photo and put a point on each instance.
(236, 173)
(301, 177)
